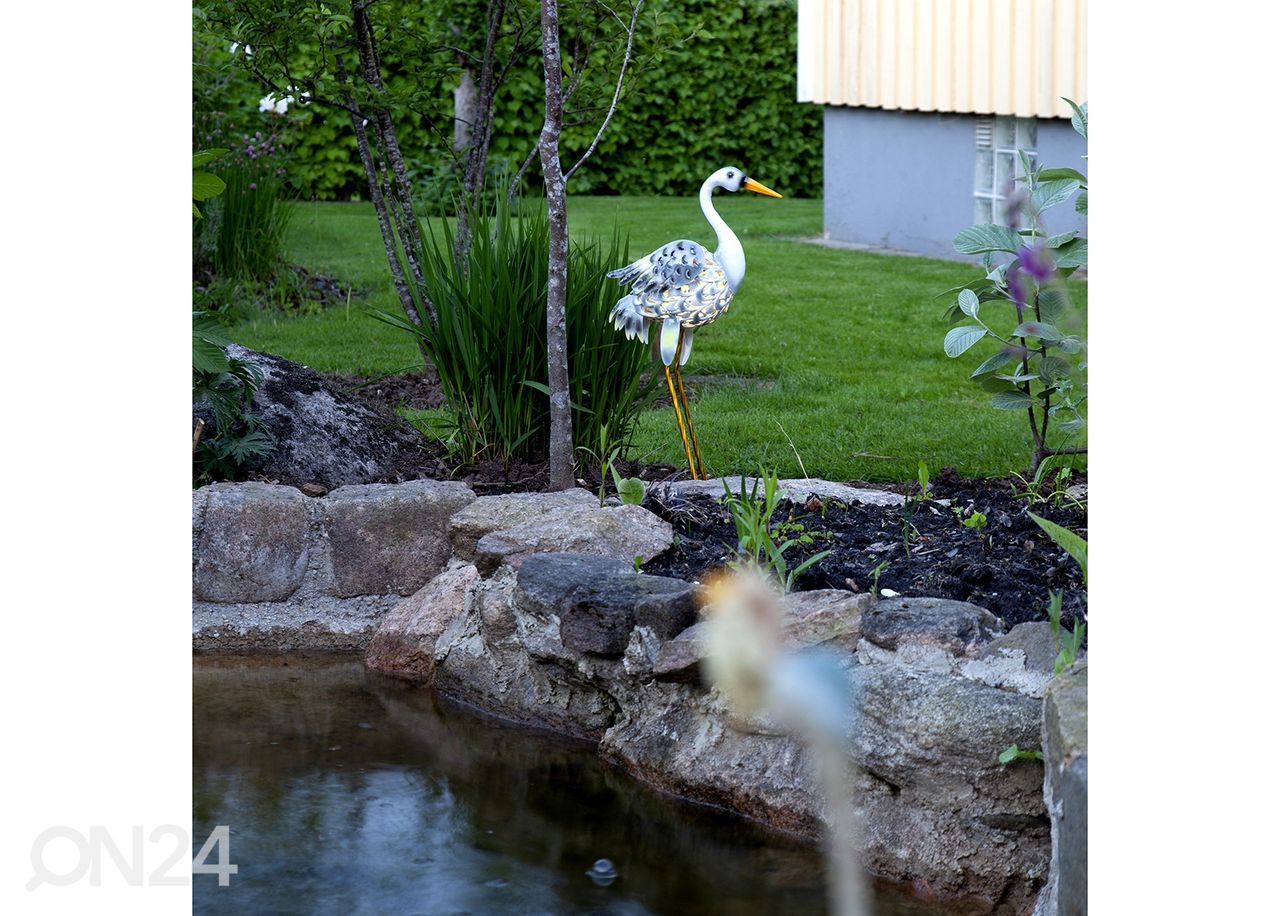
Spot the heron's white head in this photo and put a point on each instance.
(732, 178)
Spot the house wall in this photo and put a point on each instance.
(905, 179)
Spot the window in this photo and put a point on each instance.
(996, 164)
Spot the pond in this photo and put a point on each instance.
(350, 793)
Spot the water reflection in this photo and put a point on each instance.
(347, 793)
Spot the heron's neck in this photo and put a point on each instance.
(729, 253)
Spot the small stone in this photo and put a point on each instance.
(678, 658)
(404, 643)
(888, 593)
(958, 627)
(314, 489)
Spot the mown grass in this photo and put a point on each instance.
(839, 352)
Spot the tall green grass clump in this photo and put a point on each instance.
(251, 219)
(489, 339)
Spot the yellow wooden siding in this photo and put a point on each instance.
(1008, 57)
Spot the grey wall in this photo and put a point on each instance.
(904, 179)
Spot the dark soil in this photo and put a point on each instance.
(412, 390)
(1009, 566)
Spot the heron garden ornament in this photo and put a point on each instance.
(681, 287)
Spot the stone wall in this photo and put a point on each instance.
(529, 606)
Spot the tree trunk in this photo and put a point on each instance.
(561, 444)
(464, 111)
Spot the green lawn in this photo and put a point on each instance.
(828, 357)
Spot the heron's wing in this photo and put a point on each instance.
(681, 278)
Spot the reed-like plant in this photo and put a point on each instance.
(489, 339)
(250, 221)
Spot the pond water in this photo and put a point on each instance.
(351, 793)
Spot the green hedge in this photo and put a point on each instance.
(726, 97)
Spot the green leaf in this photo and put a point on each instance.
(1013, 399)
(1056, 174)
(969, 303)
(987, 237)
(631, 491)
(1009, 754)
(1054, 367)
(992, 363)
(1070, 344)
(1053, 304)
(1082, 202)
(1079, 117)
(205, 156)
(1074, 253)
(1051, 193)
(1040, 329)
(207, 356)
(1057, 241)
(1068, 540)
(205, 185)
(962, 338)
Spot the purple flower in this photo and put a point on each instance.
(1036, 261)
(253, 186)
(1017, 284)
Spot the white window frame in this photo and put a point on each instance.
(998, 139)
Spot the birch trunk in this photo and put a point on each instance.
(561, 433)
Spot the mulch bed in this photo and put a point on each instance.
(1008, 566)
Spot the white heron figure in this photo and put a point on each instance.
(681, 287)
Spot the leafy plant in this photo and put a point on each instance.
(225, 385)
(1013, 752)
(974, 519)
(1069, 650)
(1033, 490)
(875, 576)
(205, 184)
(911, 504)
(1038, 365)
(488, 342)
(759, 543)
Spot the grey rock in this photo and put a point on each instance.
(797, 489)
(956, 627)
(323, 434)
(405, 641)
(814, 617)
(1021, 660)
(390, 538)
(621, 533)
(679, 658)
(1066, 793)
(494, 513)
(599, 601)
(320, 623)
(251, 544)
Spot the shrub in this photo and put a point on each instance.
(1038, 366)
(488, 342)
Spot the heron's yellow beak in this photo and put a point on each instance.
(752, 185)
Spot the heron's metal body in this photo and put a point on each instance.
(683, 286)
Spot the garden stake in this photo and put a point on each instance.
(684, 437)
(681, 287)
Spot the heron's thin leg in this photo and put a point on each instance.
(684, 437)
(688, 418)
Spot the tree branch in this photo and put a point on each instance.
(617, 91)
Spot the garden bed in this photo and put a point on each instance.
(1007, 566)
